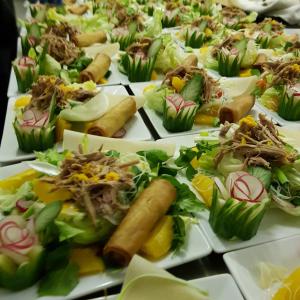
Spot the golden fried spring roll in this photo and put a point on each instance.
(97, 69)
(78, 9)
(89, 38)
(237, 109)
(112, 121)
(190, 61)
(151, 205)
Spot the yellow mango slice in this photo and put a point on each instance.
(153, 75)
(60, 126)
(177, 83)
(103, 80)
(245, 73)
(44, 192)
(204, 186)
(202, 119)
(13, 182)
(160, 240)
(290, 288)
(87, 260)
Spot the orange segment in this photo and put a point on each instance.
(204, 186)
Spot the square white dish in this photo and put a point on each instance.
(10, 152)
(156, 120)
(275, 117)
(227, 288)
(196, 247)
(243, 265)
(113, 79)
(275, 225)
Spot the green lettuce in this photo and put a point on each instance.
(8, 200)
(230, 164)
(156, 97)
(270, 98)
(169, 56)
(250, 55)
(154, 28)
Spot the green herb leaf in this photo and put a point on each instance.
(179, 234)
(58, 257)
(154, 157)
(186, 202)
(59, 282)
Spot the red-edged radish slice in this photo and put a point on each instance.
(23, 205)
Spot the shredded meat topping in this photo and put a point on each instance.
(284, 72)
(96, 182)
(233, 12)
(139, 48)
(43, 90)
(186, 73)
(258, 143)
(64, 51)
(63, 30)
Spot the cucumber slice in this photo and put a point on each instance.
(192, 91)
(17, 278)
(202, 26)
(233, 218)
(154, 48)
(47, 215)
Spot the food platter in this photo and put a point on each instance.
(226, 287)
(104, 203)
(275, 225)
(244, 265)
(9, 150)
(196, 247)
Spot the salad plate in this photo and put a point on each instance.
(9, 150)
(156, 119)
(275, 225)
(227, 288)
(278, 257)
(196, 247)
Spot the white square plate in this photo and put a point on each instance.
(226, 288)
(275, 225)
(156, 119)
(196, 247)
(243, 265)
(9, 149)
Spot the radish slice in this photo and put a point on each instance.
(245, 187)
(23, 205)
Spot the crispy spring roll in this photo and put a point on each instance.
(89, 38)
(96, 69)
(151, 205)
(78, 9)
(191, 61)
(114, 119)
(237, 109)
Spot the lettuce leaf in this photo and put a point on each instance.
(250, 55)
(154, 28)
(51, 156)
(270, 98)
(230, 164)
(156, 97)
(170, 55)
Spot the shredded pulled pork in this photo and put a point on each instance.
(211, 23)
(43, 90)
(139, 48)
(276, 26)
(258, 143)
(227, 44)
(283, 72)
(64, 51)
(232, 12)
(186, 73)
(96, 182)
(62, 29)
